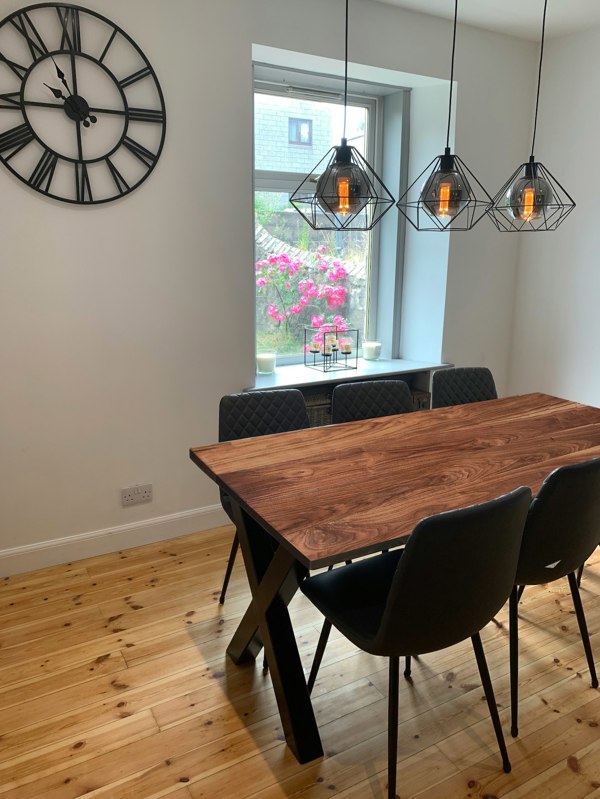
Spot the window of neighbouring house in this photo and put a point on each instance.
(299, 131)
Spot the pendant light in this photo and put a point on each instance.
(446, 195)
(348, 194)
(531, 199)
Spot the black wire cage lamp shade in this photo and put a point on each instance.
(343, 191)
(532, 199)
(348, 195)
(446, 195)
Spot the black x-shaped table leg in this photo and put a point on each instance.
(274, 575)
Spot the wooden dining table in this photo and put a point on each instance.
(325, 495)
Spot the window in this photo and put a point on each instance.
(304, 278)
(299, 131)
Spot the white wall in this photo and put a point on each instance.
(557, 323)
(426, 254)
(122, 325)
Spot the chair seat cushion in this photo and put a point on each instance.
(353, 597)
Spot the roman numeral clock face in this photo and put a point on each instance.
(82, 115)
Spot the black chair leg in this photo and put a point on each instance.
(513, 634)
(407, 667)
(520, 592)
(579, 574)
(234, 548)
(314, 669)
(583, 627)
(491, 700)
(393, 725)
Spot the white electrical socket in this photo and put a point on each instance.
(134, 495)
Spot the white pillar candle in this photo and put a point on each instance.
(265, 363)
(371, 350)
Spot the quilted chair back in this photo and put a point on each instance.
(462, 385)
(369, 399)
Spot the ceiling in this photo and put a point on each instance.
(516, 17)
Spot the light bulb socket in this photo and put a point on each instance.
(446, 161)
(531, 171)
(343, 153)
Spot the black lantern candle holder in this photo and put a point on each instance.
(330, 349)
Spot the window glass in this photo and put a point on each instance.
(304, 277)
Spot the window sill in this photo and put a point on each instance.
(300, 376)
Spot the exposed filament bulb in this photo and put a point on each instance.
(445, 190)
(528, 203)
(343, 191)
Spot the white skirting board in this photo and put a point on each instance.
(99, 542)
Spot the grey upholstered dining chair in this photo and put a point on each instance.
(560, 533)
(369, 399)
(461, 385)
(454, 575)
(257, 413)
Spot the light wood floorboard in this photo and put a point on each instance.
(114, 683)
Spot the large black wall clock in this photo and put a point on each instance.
(82, 115)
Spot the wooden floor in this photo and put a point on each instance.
(114, 683)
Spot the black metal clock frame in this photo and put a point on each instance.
(76, 107)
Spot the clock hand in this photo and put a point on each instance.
(61, 75)
(56, 92)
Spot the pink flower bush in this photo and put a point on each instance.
(275, 313)
(302, 292)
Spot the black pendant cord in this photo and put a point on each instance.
(452, 74)
(349, 194)
(537, 99)
(346, 73)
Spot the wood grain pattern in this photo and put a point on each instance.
(158, 710)
(336, 492)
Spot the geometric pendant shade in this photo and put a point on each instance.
(446, 195)
(450, 198)
(531, 200)
(343, 192)
(348, 195)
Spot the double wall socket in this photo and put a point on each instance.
(134, 495)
